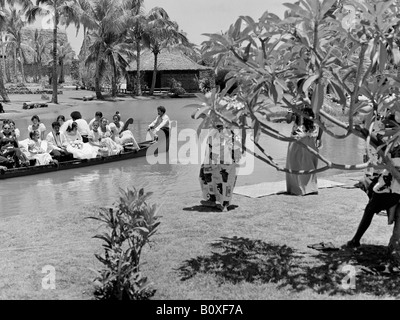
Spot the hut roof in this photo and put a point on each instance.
(166, 60)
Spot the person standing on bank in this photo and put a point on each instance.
(161, 122)
(218, 173)
(299, 158)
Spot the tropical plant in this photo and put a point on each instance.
(105, 24)
(39, 45)
(130, 225)
(65, 56)
(161, 33)
(319, 44)
(3, 22)
(14, 34)
(176, 89)
(135, 21)
(62, 11)
(205, 85)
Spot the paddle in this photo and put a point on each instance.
(127, 123)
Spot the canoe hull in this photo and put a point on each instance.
(26, 171)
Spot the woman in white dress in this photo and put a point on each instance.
(37, 150)
(119, 136)
(37, 125)
(104, 144)
(76, 146)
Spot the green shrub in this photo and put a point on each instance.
(130, 226)
(205, 85)
(176, 88)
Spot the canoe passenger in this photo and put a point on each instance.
(57, 144)
(37, 125)
(119, 135)
(104, 144)
(37, 150)
(97, 116)
(9, 147)
(83, 126)
(161, 122)
(76, 146)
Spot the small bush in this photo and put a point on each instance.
(176, 88)
(130, 226)
(205, 85)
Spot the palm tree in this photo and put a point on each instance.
(14, 33)
(162, 33)
(3, 21)
(105, 23)
(67, 10)
(39, 45)
(136, 22)
(116, 54)
(65, 56)
(3, 39)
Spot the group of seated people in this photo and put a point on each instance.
(68, 140)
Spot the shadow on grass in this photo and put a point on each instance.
(241, 259)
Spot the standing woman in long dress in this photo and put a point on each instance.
(299, 158)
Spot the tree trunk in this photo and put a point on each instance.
(114, 81)
(21, 61)
(61, 80)
(15, 65)
(138, 84)
(99, 96)
(153, 81)
(3, 60)
(54, 77)
(3, 91)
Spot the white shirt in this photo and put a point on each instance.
(83, 127)
(56, 142)
(161, 122)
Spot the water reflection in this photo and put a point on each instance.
(73, 190)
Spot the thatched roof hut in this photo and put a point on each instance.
(170, 64)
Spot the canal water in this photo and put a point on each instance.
(99, 185)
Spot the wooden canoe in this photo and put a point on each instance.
(73, 164)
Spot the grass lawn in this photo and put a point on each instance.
(256, 251)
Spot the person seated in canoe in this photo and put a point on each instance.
(9, 147)
(37, 149)
(83, 126)
(104, 128)
(104, 144)
(14, 131)
(120, 132)
(37, 125)
(57, 144)
(161, 122)
(76, 146)
(97, 116)
(61, 120)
